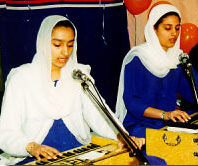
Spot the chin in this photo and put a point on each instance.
(61, 64)
(171, 45)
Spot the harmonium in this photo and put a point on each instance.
(100, 151)
(177, 145)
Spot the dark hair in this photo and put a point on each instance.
(164, 16)
(66, 24)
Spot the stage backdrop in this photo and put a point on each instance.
(103, 38)
(187, 8)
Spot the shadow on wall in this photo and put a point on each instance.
(1, 97)
(1, 88)
(1, 83)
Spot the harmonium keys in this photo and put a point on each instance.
(72, 157)
(101, 151)
(191, 124)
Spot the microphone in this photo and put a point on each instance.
(184, 58)
(78, 75)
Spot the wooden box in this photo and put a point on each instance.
(176, 148)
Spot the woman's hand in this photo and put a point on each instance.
(177, 116)
(139, 142)
(38, 150)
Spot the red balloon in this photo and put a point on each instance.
(158, 3)
(189, 37)
(137, 6)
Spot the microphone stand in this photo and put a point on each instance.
(188, 69)
(134, 150)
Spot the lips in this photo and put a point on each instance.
(62, 60)
(173, 40)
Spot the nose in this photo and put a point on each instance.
(65, 51)
(173, 32)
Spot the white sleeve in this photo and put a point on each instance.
(12, 139)
(97, 120)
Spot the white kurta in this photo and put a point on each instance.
(24, 119)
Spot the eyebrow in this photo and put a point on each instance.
(172, 24)
(62, 40)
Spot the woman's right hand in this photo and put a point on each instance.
(138, 141)
(38, 150)
(177, 116)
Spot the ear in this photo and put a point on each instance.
(155, 30)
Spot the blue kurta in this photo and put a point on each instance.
(59, 136)
(142, 89)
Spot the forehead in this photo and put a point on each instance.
(171, 19)
(62, 32)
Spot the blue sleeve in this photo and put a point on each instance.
(134, 84)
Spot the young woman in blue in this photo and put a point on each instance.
(151, 78)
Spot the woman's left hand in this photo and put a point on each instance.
(177, 116)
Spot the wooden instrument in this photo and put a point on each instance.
(130, 143)
(100, 151)
(178, 147)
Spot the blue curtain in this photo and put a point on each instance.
(103, 39)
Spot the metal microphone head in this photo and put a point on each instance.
(78, 75)
(184, 58)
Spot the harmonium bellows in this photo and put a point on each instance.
(100, 151)
(176, 145)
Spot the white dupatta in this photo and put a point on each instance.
(59, 100)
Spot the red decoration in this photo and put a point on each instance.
(137, 6)
(189, 37)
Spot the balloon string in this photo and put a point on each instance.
(103, 22)
(135, 30)
(29, 11)
(63, 8)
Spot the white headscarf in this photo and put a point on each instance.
(57, 101)
(151, 54)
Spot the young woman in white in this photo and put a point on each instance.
(44, 110)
